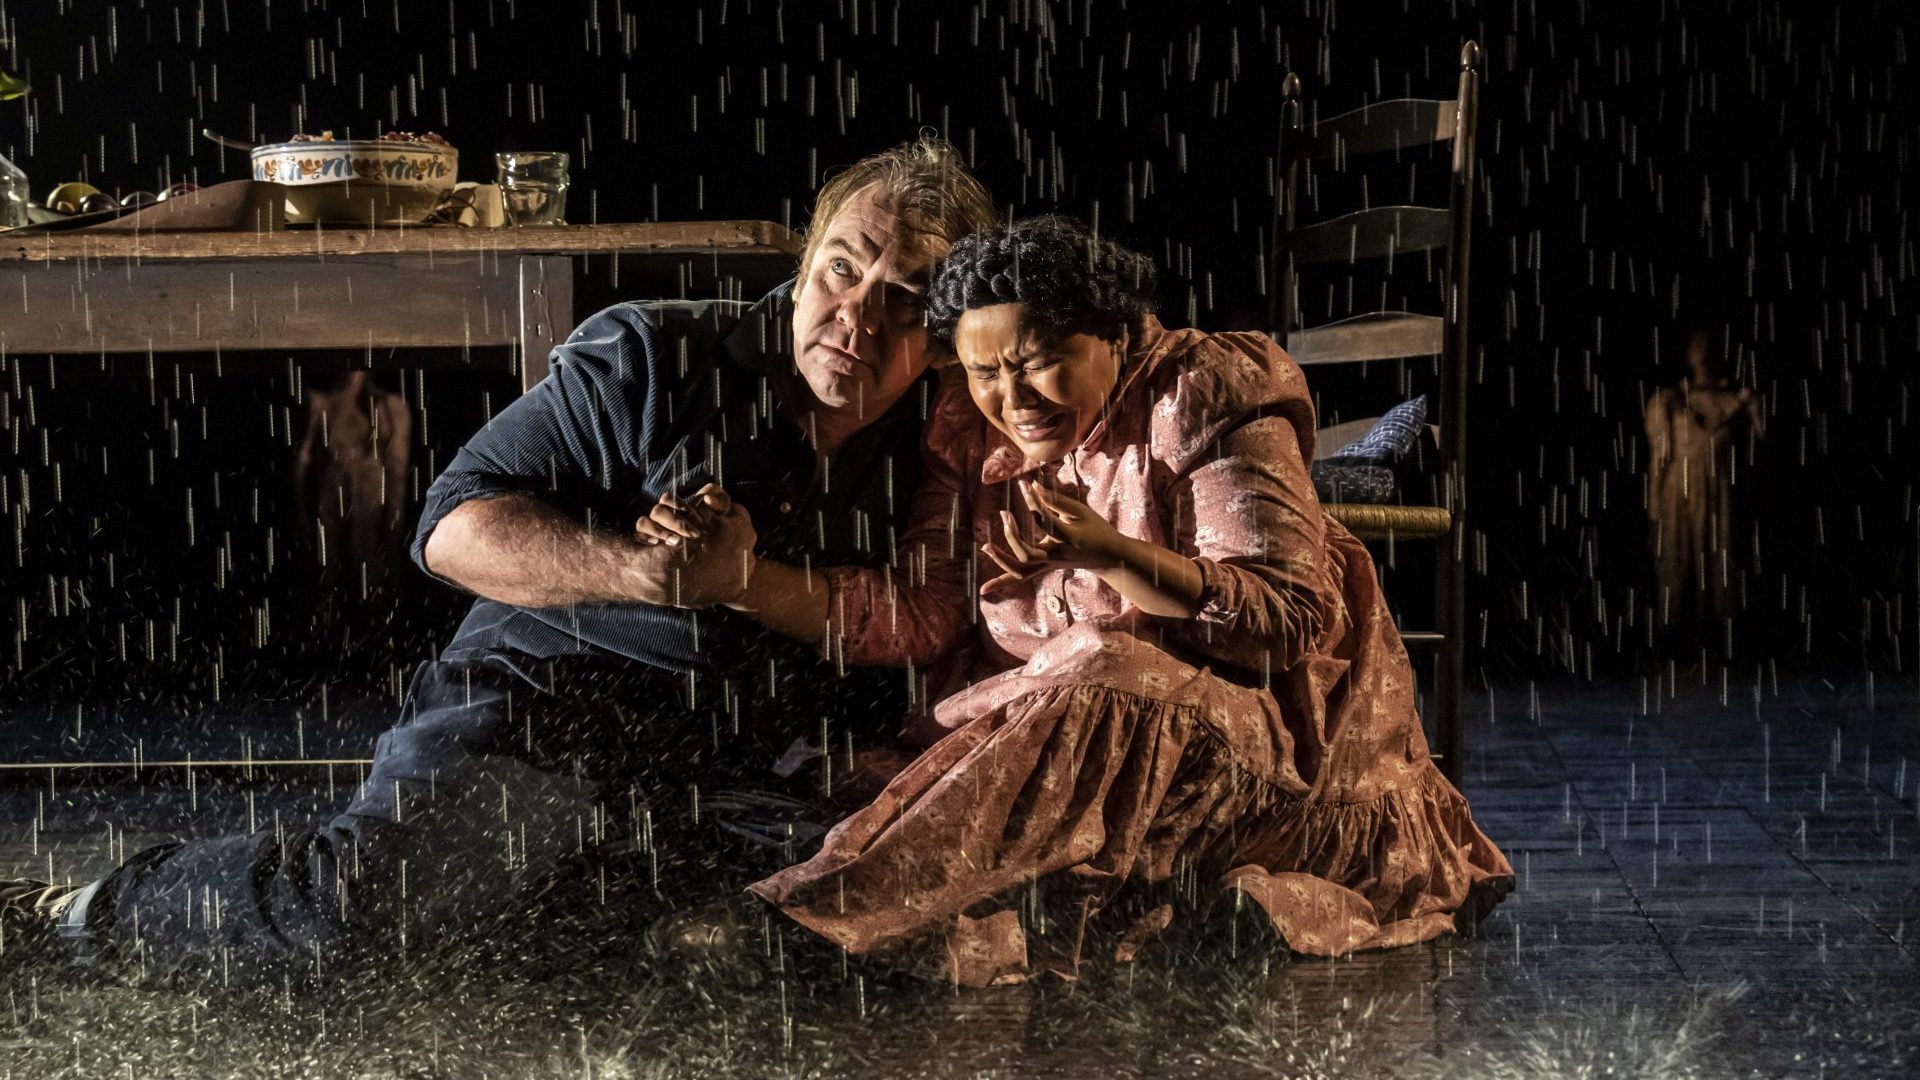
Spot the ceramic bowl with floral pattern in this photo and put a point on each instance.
(367, 182)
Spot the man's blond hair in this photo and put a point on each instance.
(926, 183)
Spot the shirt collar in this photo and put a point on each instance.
(758, 342)
(762, 343)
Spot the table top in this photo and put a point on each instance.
(653, 237)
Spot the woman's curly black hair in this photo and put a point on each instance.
(1070, 280)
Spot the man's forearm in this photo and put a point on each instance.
(787, 600)
(518, 550)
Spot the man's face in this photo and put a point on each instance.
(859, 325)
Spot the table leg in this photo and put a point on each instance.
(546, 313)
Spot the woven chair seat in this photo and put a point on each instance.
(1377, 522)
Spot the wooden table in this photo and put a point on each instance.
(97, 294)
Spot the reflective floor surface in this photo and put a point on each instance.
(1710, 885)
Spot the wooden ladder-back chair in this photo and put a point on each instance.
(1384, 233)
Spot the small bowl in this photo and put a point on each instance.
(358, 181)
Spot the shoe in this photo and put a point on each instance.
(1229, 929)
(30, 913)
(727, 939)
(740, 941)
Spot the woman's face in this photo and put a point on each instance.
(1700, 365)
(1043, 391)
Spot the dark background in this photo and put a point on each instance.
(1642, 164)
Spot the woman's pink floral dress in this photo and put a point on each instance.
(1270, 746)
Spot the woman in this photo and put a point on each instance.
(1697, 434)
(1184, 675)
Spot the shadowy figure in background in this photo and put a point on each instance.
(350, 488)
(1700, 435)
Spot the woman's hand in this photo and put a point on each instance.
(713, 541)
(1059, 532)
(1055, 532)
(673, 522)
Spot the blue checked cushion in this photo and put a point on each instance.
(1391, 437)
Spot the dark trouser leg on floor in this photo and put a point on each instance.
(457, 818)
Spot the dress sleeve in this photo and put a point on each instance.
(920, 604)
(577, 436)
(1659, 430)
(1244, 508)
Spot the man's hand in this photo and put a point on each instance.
(708, 546)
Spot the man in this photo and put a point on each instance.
(588, 703)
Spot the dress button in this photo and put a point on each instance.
(1055, 604)
(786, 508)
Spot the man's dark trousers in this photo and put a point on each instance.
(505, 769)
(500, 779)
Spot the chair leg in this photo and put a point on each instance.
(1450, 658)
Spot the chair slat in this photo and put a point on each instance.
(1371, 234)
(1379, 335)
(1384, 125)
(1369, 521)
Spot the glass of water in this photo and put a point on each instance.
(533, 186)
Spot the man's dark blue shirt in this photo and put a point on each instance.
(646, 398)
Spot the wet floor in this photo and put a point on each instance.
(1706, 889)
